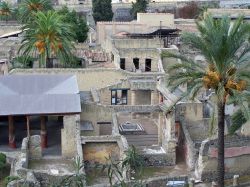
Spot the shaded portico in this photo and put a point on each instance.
(36, 96)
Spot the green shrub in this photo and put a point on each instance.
(133, 159)
(8, 179)
(2, 160)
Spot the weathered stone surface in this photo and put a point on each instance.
(237, 161)
(158, 160)
(69, 136)
(22, 182)
(46, 179)
(99, 151)
(35, 151)
(32, 179)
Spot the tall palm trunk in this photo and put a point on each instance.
(49, 61)
(220, 146)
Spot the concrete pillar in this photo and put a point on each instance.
(236, 180)
(44, 138)
(133, 97)
(12, 142)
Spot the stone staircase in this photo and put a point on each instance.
(142, 140)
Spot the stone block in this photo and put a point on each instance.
(35, 151)
(69, 136)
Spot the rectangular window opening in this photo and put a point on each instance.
(136, 63)
(148, 64)
(122, 63)
(119, 97)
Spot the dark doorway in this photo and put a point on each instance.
(136, 63)
(122, 63)
(181, 149)
(148, 64)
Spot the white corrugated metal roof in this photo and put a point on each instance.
(39, 94)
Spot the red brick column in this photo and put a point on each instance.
(44, 138)
(12, 142)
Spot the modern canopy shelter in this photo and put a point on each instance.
(42, 95)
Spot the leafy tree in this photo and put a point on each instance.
(79, 25)
(23, 62)
(28, 8)
(190, 11)
(49, 36)
(5, 10)
(102, 10)
(226, 50)
(82, 30)
(138, 6)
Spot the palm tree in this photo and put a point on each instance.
(48, 36)
(226, 50)
(5, 10)
(30, 7)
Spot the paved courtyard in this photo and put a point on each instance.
(150, 135)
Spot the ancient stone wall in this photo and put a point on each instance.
(97, 148)
(7, 28)
(237, 156)
(191, 153)
(192, 111)
(158, 160)
(99, 151)
(69, 136)
(156, 19)
(142, 54)
(95, 113)
(134, 43)
(168, 136)
(86, 78)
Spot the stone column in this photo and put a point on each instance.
(154, 97)
(12, 142)
(69, 136)
(44, 138)
(133, 97)
(160, 128)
